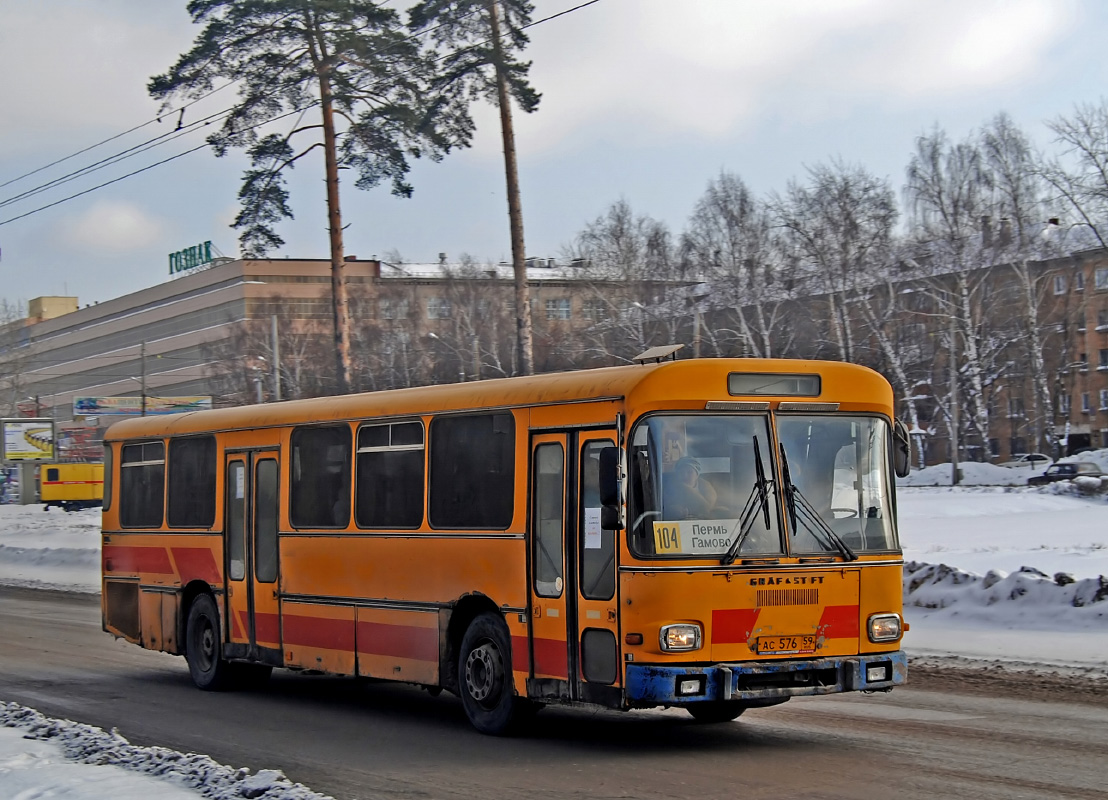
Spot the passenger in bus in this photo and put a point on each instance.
(686, 495)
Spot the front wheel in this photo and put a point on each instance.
(204, 648)
(716, 711)
(485, 677)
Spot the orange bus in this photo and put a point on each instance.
(710, 534)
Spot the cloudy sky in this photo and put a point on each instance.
(644, 100)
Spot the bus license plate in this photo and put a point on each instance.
(785, 645)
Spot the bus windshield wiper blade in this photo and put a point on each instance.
(751, 508)
(808, 516)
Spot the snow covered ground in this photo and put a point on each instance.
(998, 573)
(41, 757)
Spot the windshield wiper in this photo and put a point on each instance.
(750, 509)
(805, 514)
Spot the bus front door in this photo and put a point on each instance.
(253, 610)
(574, 622)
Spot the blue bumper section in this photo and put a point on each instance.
(650, 685)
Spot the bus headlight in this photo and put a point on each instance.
(884, 627)
(679, 638)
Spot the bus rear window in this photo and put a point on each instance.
(472, 471)
(142, 485)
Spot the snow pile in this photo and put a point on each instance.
(88, 745)
(973, 474)
(51, 549)
(1027, 595)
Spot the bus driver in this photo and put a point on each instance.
(686, 494)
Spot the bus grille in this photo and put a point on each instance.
(788, 597)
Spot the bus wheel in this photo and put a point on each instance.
(203, 649)
(717, 711)
(485, 676)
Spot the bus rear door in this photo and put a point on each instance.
(252, 502)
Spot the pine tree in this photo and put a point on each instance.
(350, 61)
(482, 40)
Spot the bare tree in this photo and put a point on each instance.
(730, 243)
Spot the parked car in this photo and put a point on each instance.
(1066, 472)
(1031, 460)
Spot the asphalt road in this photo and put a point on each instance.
(951, 736)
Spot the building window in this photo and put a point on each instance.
(1102, 277)
(1104, 399)
(1086, 406)
(595, 309)
(438, 308)
(1079, 281)
(394, 308)
(557, 308)
(1017, 444)
(1059, 284)
(1064, 403)
(1015, 407)
(1102, 363)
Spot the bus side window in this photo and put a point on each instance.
(320, 496)
(142, 485)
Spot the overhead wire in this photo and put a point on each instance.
(162, 139)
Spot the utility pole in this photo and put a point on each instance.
(953, 404)
(524, 345)
(276, 360)
(142, 374)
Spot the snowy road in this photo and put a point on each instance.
(355, 740)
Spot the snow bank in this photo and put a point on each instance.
(1025, 594)
(88, 745)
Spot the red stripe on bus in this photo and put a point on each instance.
(551, 657)
(839, 622)
(236, 629)
(399, 641)
(196, 563)
(327, 634)
(733, 625)
(520, 660)
(118, 558)
(267, 627)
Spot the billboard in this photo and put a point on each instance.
(28, 439)
(132, 406)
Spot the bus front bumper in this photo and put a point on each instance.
(764, 682)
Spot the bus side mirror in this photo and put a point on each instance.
(902, 450)
(610, 517)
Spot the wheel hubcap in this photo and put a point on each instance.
(484, 673)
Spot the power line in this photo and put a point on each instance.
(137, 149)
(113, 138)
(148, 167)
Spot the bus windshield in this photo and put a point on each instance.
(839, 466)
(698, 482)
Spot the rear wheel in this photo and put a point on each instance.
(716, 711)
(204, 649)
(485, 677)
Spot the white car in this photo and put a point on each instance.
(1029, 460)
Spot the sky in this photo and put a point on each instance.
(642, 100)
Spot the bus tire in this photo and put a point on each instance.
(485, 676)
(716, 711)
(203, 646)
